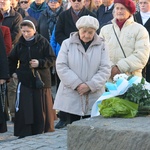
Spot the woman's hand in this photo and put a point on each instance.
(115, 70)
(83, 89)
(34, 63)
(2, 81)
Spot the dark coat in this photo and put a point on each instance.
(40, 50)
(138, 18)
(13, 21)
(43, 23)
(103, 17)
(65, 24)
(4, 74)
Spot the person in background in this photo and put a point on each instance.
(128, 41)
(83, 66)
(12, 19)
(16, 7)
(143, 17)
(97, 4)
(6, 35)
(48, 18)
(36, 8)
(64, 26)
(34, 107)
(4, 76)
(104, 12)
(25, 4)
(88, 4)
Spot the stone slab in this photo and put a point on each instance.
(100, 133)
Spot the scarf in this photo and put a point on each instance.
(120, 23)
(52, 17)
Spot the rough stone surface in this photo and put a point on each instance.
(100, 133)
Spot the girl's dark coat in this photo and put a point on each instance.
(41, 51)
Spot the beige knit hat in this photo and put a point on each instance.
(88, 22)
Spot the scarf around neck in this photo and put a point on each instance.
(52, 17)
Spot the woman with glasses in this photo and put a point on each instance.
(49, 18)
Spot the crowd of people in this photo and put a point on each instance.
(76, 45)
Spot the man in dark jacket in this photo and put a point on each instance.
(65, 25)
(12, 19)
(143, 18)
(104, 12)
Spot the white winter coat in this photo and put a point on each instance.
(134, 39)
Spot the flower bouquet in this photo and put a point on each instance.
(127, 96)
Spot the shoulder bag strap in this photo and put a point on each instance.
(119, 42)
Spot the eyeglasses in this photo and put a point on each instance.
(25, 2)
(77, 0)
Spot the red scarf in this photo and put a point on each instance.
(120, 23)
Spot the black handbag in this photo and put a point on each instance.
(38, 81)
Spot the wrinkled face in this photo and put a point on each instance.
(97, 2)
(27, 32)
(53, 4)
(24, 4)
(77, 5)
(86, 34)
(107, 2)
(144, 5)
(121, 12)
(4, 5)
(39, 2)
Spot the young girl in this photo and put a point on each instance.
(34, 113)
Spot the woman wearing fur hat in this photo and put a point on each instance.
(34, 113)
(127, 40)
(83, 68)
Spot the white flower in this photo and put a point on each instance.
(118, 76)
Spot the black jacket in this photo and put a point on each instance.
(39, 50)
(13, 21)
(104, 17)
(65, 24)
(43, 23)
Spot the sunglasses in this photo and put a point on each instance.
(25, 2)
(77, 0)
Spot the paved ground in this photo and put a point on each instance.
(49, 141)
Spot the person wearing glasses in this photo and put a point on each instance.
(24, 4)
(83, 66)
(64, 26)
(143, 17)
(16, 7)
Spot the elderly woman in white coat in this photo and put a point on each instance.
(127, 40)
(83, 66)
